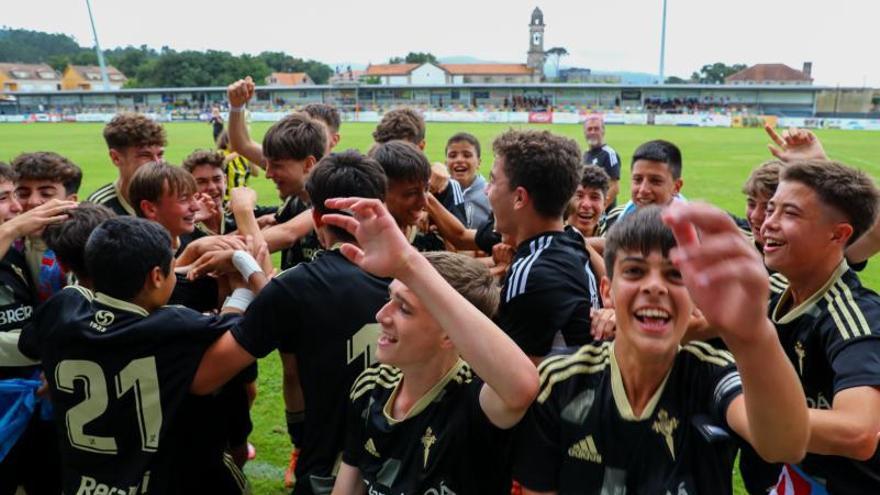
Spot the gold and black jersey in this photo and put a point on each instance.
(833, 341)
(324, 312)
(119, 378)
(238, 172)
(17, 302)
(305, 249)
(110, 196)
(445, 444)
(582, 436)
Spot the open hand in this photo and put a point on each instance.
(33, 221)
(795, 144)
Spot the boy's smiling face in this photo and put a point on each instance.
(651, 303)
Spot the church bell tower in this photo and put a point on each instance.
(536, 56)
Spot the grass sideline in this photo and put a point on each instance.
(716, 163)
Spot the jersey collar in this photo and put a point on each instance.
(805, 306)
(618, 391)
(125, 206)
(425, 400)
(120, 304)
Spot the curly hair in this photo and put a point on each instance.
(203, 157)
(595, 178)
(47, 165)
(133, 129)
(401, 123)
(545, 165)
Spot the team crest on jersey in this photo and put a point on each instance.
(428, 441)
(102, 320)
(371, 448)
(801, 354)
(666, 425)
(585, 450)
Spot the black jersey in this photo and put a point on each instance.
(109, 195)
(581, 435)
(833, 341)
(306, 248)
(605, 157)
(446, 444)
(452, 198)
(548, 291)
(118, 377)
(486, 237)
(324, 312)
(17, 301)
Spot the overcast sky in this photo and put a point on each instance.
(839, 37)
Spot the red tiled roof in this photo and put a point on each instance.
(33, 71)
(768, 72)
(390, 69)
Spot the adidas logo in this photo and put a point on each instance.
(371, 448)
(585, 450)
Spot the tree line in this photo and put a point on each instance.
(148, 67)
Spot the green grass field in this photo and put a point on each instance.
(716, 163)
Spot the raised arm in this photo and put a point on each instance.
(239, 93)
(728, 282)
(286, 234)
(511, 380)
(450, 227)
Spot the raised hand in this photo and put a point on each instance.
(240, 92)
(795, 144)
(382, 248)
(724, 274)
(439, 178)
(242, 199)
(33, 221)
(207, 208)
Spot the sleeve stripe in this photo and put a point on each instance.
(728, 383)
(721, 353)
(702, 356)
(846, 314)
(101, 190)
(457, 194)
(520, 274)
(586, 354)
(856, 311)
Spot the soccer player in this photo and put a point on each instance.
(463, 162)
(602, 155)
(588, 203)
(43, 176)
(31, 458)
(643, 414)
(828, 323)
(127, 359)
(655, 179)
(549, 289)
(408, 171)
(434, 416)
(406, 124)
(301, 314)
(68, 239)
(207, 168)
(133, 140)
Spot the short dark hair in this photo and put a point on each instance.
(849, 191)
(468, 277)
(133, 129)
(596, 178)
(660, 151)
(343, 175)
(122, 252)
(7, 173)
(545, 165)
(47, 165)
(151, 181)
(203, 157)
(328, 114)
(401, 123)
(464, 137)
(68, 238)
(295, 137)
(641, 230)
(764, 179)
(402, 161)
(223, 140)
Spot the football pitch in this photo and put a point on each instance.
(716, 163)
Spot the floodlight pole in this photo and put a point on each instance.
(663, 46)
(104, 76)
